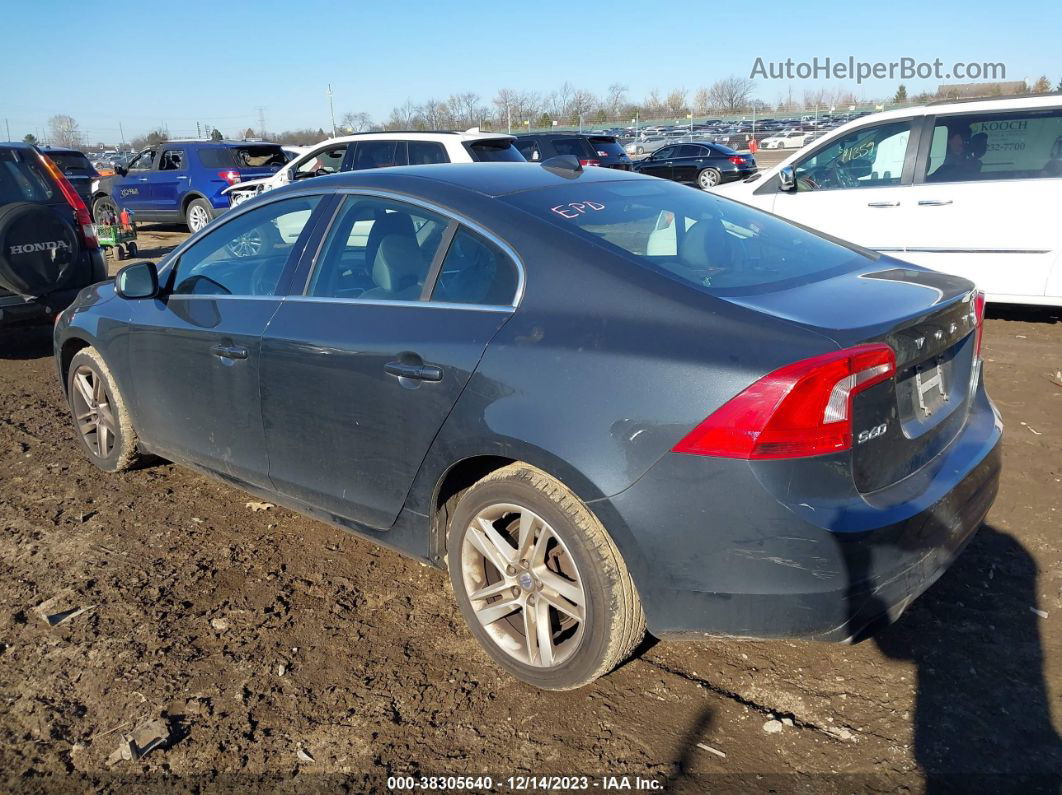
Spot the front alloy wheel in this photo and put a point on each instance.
(93, 412)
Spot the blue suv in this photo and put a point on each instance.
(182, 181)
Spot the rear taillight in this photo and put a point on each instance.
(979, 312)
(77, 204)
(231, 176)
(590, 162)
(737, 160)
(802, 409)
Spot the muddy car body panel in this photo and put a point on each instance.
(596, 366)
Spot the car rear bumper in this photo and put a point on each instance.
(720, 553)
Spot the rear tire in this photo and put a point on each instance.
(708, 178)
(556, 606)
(101, 419)
(198, 214)
(104, 210)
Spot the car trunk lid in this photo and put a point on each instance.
(930, 321)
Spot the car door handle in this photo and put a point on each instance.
(229, 351)
(933, 202)
(421, 372)
(883, 204)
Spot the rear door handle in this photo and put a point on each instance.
(883, 204)
(229, 351)
(933, 202)
(421, 372)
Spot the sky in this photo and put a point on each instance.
(130, 67)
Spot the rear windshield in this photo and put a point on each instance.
(73, 164)
(250, 156)
(609, 144)
(22, 179)
(712, 243)
(577, 147)
(498, 150)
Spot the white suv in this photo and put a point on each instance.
(965, 187)
(378, 150)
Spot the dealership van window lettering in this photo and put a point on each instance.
(995, 146)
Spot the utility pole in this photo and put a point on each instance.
(8, 125)
(332, 111)
(122, 133)
(509, 115)
(261, 122)
(198, 131)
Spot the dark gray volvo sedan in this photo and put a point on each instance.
(606, 402)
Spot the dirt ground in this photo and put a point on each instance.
(282, 653)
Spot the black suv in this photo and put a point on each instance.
(536, 147)
(76, 167)
(48, 248)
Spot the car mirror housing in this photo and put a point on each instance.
(786, 178)
(121, 171)
(136, 281)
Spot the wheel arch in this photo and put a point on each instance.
(190, 197)
(69, 349)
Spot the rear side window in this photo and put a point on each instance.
(216, 157)
(500, 150)
(1022, 145)
(423, 153)
(528, 148)
(577, 147)
(380, 154)
(706, 241)
(22, 179)
(475, 271)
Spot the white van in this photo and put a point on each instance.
(965, 187)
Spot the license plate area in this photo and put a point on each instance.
(928, 392)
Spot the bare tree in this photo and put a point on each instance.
(435, 113)
(356, 122)
(702, 102)
(466, 109)
(404, 117)
(615, 99)
(731, 94)
(653, 105)
(676, 102)
(64, 131)
(581, 103)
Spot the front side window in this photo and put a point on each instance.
(475, 271)
(698, 238)
(871, 157)
(142, 162)
(664, 153)
(1022, 145)
(247, 255)
(326, 161)
(377, 249)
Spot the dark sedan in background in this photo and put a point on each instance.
(603, 402)
(699, 163)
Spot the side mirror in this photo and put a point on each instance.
(786, 178)
(121, 171)
(297, 175)
(139, 280)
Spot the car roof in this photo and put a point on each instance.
(971, 105)
(489, 179)
(415, 135)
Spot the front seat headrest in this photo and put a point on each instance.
(398, 263)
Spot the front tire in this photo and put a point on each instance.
(99, 411)
(198, 214)
(708, 178)
(538, 580)
(104, 210)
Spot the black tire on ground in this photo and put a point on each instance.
(131, 249)
(104, 210)
(198, 214)
(708, 178)
(614, 622)
(92, 393)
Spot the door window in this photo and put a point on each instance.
(871, 157)
(665, 153)
(1021, 145)
(529, 149)
(172, 160)
(142, 162)
(380, 154)
(422, 153)
(475, 271)
(377, 249)
(325, 161)
(247, 255)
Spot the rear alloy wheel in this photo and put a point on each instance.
(708, 178)
(198, 215)
(538, 580)
(100, 416)
(104, 210)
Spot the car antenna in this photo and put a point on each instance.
(567, 166)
